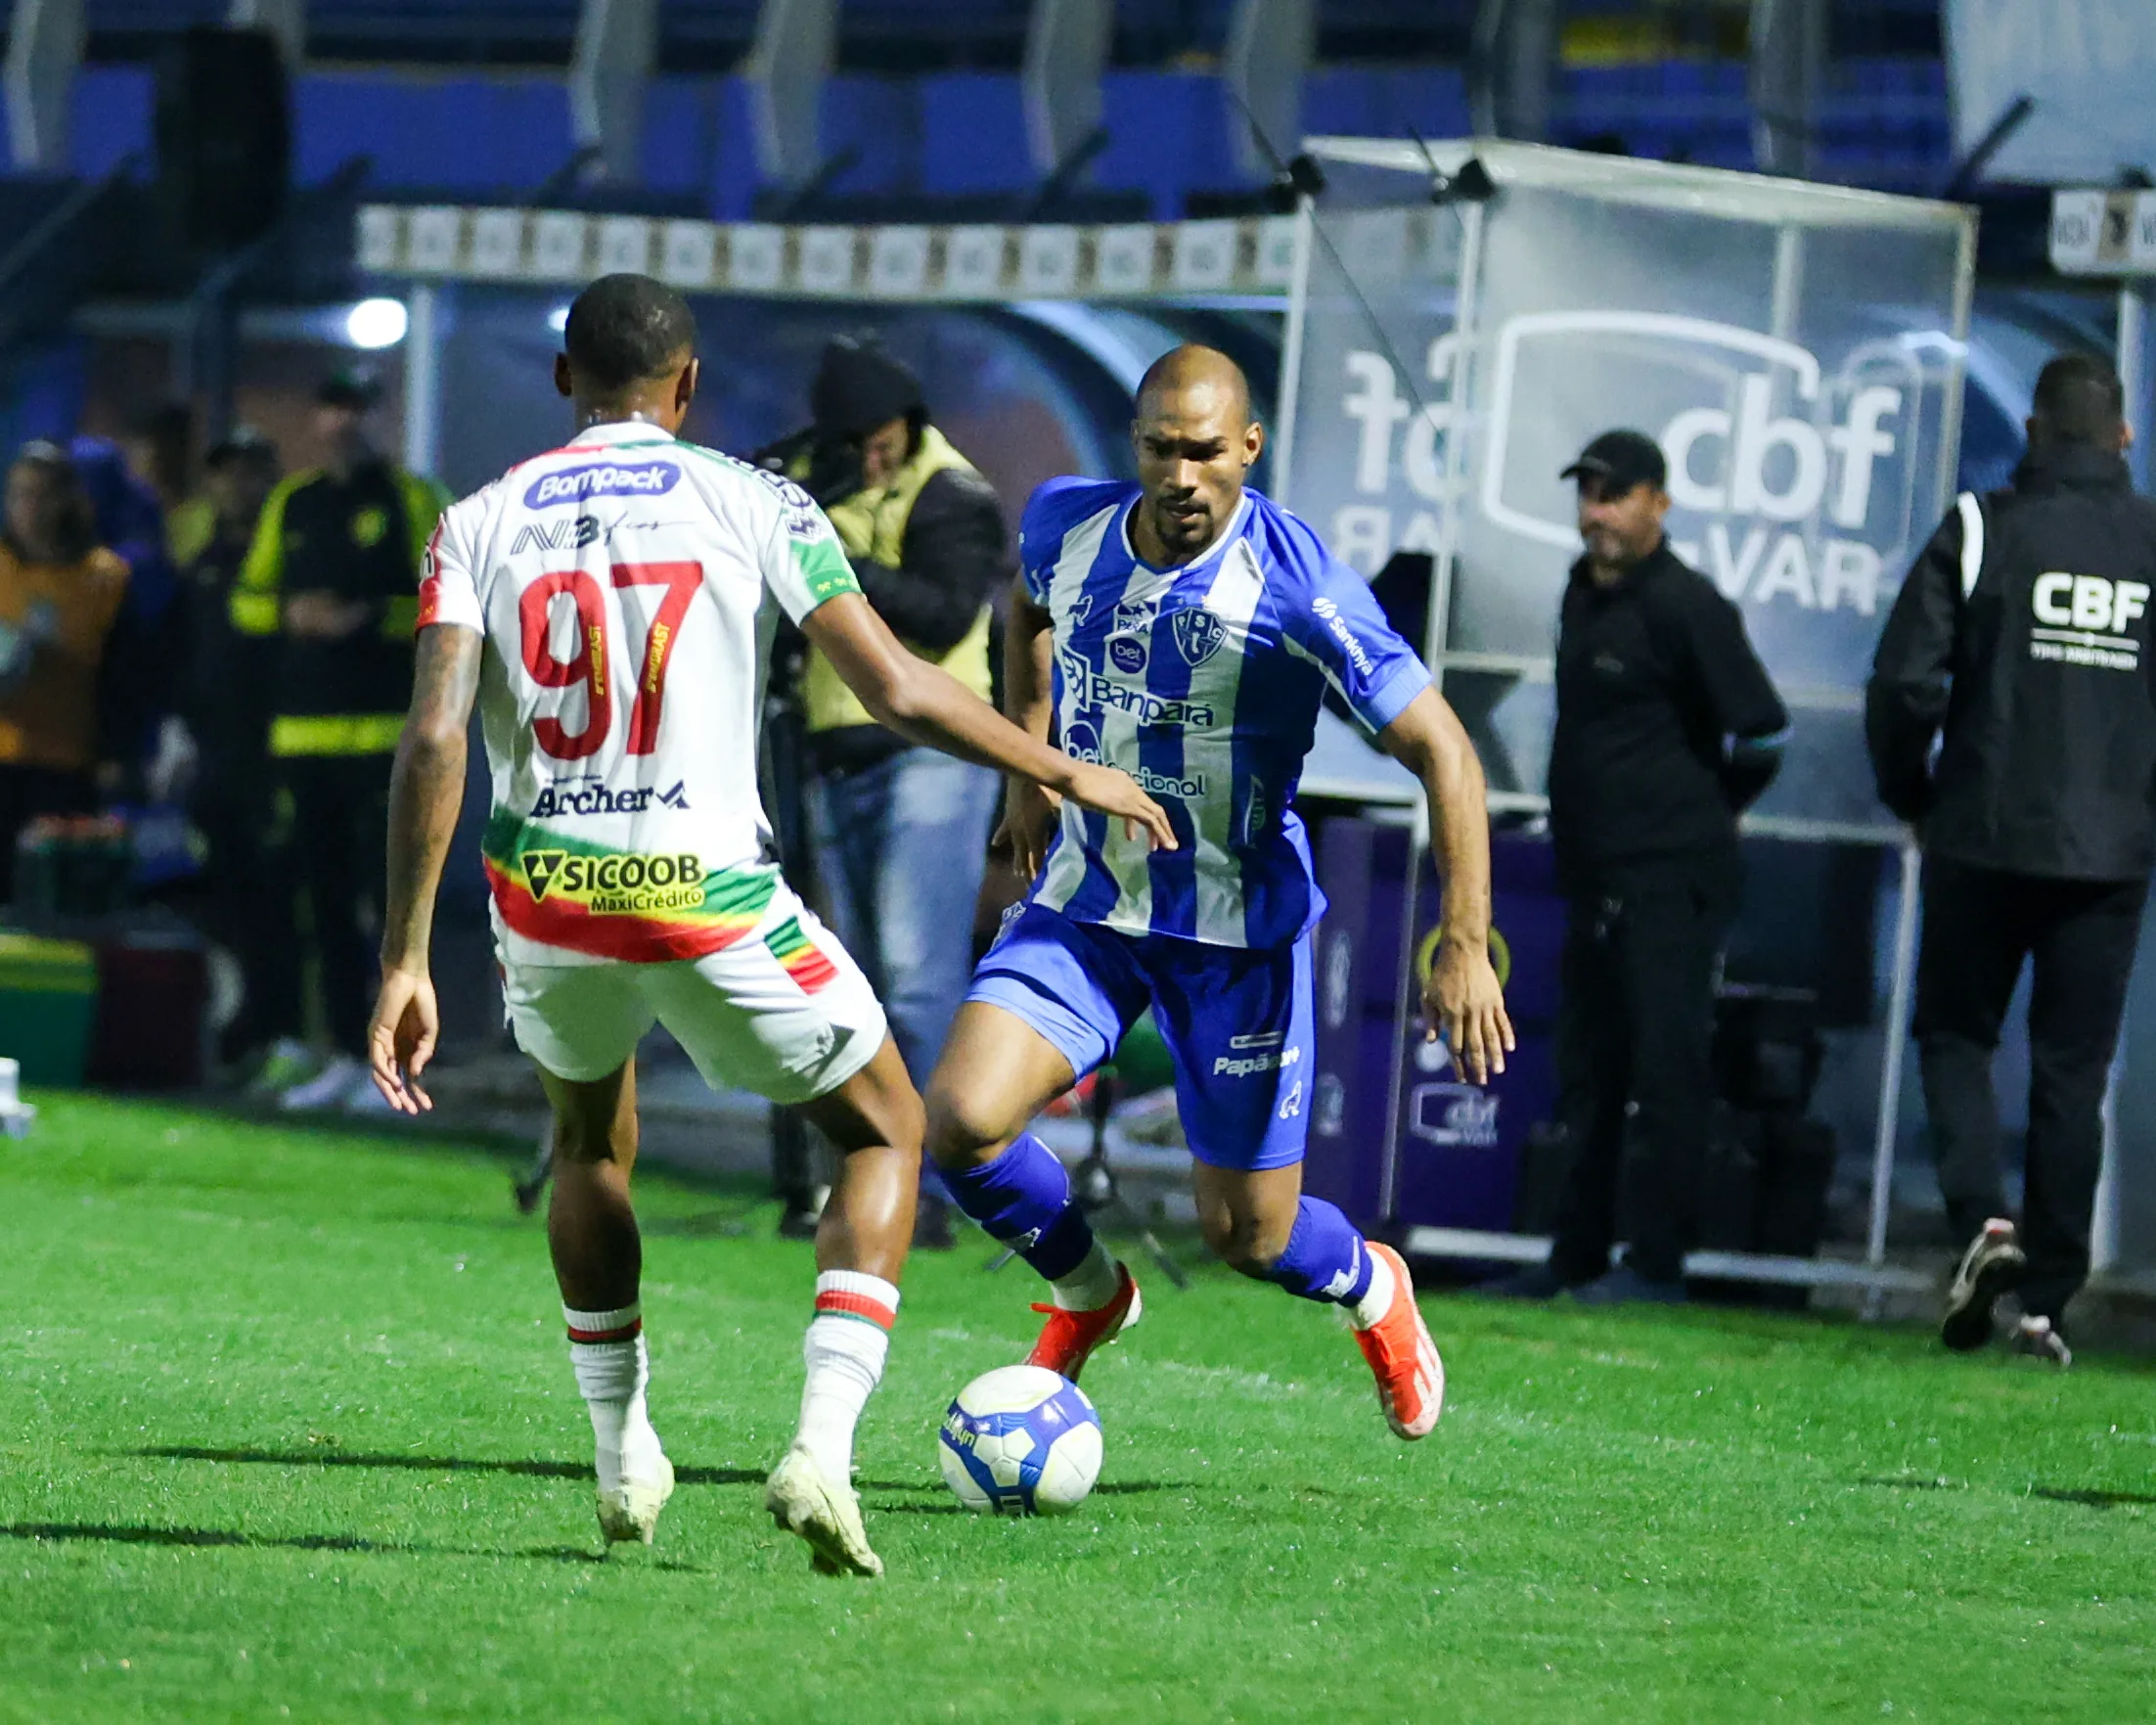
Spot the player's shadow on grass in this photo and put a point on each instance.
(68, 1533)
(333, 1457)
(2093, 1498)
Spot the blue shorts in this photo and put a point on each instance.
(1236, 1022)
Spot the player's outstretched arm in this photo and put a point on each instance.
(1462, 998)
(426, 792)
(923, 703)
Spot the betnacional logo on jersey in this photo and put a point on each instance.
(603, 478)
(1198, 634)
(633, 885)
(591, 798)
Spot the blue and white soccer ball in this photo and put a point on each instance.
(1020, 1441)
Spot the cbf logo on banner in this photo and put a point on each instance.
(1796, 489)
(1789, 487)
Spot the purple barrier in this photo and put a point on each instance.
(1459, 1148)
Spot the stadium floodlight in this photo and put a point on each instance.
(375, 323)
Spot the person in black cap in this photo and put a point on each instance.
(2011, 722)
(1666, 729)
(333, 575)
(902, 833)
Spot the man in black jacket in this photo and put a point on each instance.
(902, 833)
(2019, 649)
(1667, 728)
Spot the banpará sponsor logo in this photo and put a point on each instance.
(590, 797)
(1248, 1065)
(1328, 614)
(569, 536)
(633, 885)
(1150, 708)
(601, 478)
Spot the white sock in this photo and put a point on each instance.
(1377, 1299)
(847, 1343)
(1091, 1285)
(613, 1370)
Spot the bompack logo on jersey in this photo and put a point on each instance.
(2085, 620)
(588, 796)
(569, 536)
(633, 884)
(601, 478)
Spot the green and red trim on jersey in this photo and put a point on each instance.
(638, 906)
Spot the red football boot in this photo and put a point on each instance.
(1068, 1338)
(1411, 1378)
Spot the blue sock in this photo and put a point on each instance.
(1325, 1258)
(1023, 1199)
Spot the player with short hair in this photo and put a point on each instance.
(605, 605)
(1185, 629)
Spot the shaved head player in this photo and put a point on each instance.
(605, 605)
(1184, 628)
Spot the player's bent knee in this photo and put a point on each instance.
(961, 1130)
(1250, 1246)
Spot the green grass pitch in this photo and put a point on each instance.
(287, 1430)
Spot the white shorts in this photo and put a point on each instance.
(784, 1011)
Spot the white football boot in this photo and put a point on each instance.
(805, 1502)
(631, 1511)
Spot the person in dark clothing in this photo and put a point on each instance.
(2011, 723)
(902, 833)
(223, 689)
(333, 575)
(1666, 729)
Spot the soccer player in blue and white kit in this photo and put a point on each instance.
(1184, 629)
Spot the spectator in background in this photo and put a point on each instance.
(161, 453)
(2010, 721)
(1666, 729)
(332, 576)
(224, 680)
(64, 704)
(902, 833)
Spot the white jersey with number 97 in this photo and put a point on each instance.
(620, 585)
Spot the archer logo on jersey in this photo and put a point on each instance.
(2084, 619)
(1330, 614)
(603, 478)
(633, 884)
(569, 536)
(588, 796)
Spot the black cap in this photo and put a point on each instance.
(860, 387)
(1621, 460)
(353, 386)
(241, 443)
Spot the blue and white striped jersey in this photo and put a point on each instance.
(1203, 683)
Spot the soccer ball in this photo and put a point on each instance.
(1020, 1441)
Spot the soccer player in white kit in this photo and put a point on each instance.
(607, 604)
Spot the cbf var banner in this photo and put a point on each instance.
(1802, 378)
